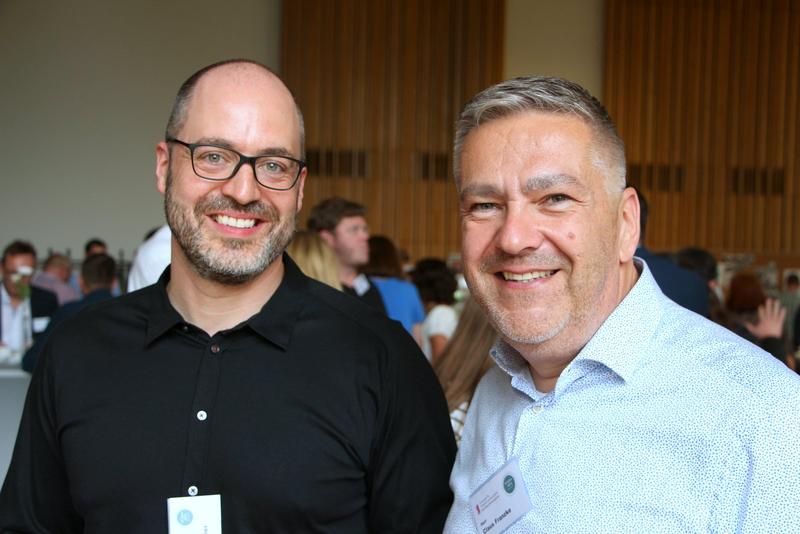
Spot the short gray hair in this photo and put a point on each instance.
(547, 95)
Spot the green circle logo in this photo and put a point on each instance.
(509, 484)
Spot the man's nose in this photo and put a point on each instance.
(520, 231)
(243, 186)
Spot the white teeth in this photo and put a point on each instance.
(524, 277)
(235, 223)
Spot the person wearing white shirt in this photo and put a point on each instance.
(151, 259)
(611, 409)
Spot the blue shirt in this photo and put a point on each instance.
(664, 422)
(402, 301)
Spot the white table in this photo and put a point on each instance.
(13, 388)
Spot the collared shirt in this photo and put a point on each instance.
(366, 291)
(664, 422)
(317, 414)
(16, 326)
(152, 257)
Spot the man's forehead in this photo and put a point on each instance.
(19, 259)
(244, 99)
(352, 220)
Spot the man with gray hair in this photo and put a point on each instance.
(611, 409)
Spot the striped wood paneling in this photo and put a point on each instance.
(705, 94)
(381, 84)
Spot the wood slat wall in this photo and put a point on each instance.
(705, 94)
(381, 84)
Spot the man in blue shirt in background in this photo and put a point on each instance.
(611, 409)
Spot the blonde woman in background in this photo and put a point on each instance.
(315, 258)
(464, 361)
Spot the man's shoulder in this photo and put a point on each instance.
(341, 310)
(87, 320)
(722, 360)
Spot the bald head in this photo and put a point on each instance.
(232, 71)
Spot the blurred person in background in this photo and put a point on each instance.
(753, 316)
(464, 361)
(400, 297)
(315, 258)
(680, 285)
(55, 276)
(97, 276)
(437, 285)
(25, 310)
(790, 299)
(95, 245)
(152, 257)
(704, 264)
(343, 225)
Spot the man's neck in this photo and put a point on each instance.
(347, 274)
(12, 300)
(548, 360)
(212, 306)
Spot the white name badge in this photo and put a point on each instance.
(500, 501)
(39, 324)
(194, 515)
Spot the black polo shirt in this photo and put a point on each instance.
(317, 414)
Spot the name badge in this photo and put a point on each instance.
(39, 324)
(194, 515)
(500, 501)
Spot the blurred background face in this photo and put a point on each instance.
(351, 241)
(17, 272)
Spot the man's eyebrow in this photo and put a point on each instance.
(548, 181)
(479, 190)
(224, 143)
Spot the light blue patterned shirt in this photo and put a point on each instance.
(664, 422)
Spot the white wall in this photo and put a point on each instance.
(85, 90)
(556, 38)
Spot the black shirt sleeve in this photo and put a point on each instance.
(414, 449)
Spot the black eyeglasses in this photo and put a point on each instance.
(220, 163)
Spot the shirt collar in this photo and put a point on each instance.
(620, 344)
(273, 322)
(162, 316)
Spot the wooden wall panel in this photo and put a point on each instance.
(381, 84)
(705, 95)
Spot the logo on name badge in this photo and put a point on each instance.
(509, 484)
(185, 517)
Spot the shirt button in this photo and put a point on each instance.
(538, 409)
(215, 348)
(192, 491)
(185, 328)
(202, 415)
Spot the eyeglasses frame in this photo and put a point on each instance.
(249, 160)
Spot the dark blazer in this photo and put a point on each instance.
(67, 310)
(43, 305)
(681, 285)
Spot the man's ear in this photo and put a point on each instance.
(301, 183)
(328, 237)
(162, 166)
(628, 223)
